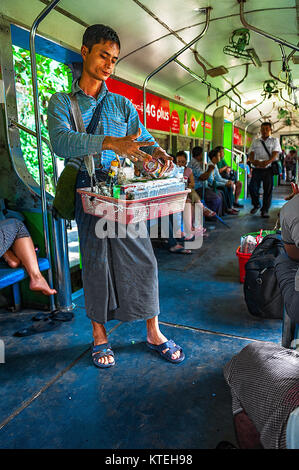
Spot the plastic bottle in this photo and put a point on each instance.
(112, 174)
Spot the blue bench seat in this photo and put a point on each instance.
(12, 277)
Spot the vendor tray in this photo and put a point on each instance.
(132, 211)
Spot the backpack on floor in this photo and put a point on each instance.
(262, 293)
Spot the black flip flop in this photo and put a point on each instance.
(41, 326)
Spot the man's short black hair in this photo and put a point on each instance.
(213, 153)
(196, 151)
(219, 148)
(181, 153)
(266, 124)
(97, 33)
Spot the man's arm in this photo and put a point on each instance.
(204, 176)
(254, 162)
(68, 143)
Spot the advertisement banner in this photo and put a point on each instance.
(162, 114)
(188, 122)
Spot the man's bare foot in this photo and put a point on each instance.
(39, 283)
(154, 336)
(100, 337)
(11, 259)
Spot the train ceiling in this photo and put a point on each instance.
(151, 31)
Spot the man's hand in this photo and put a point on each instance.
(160, 154)
(210, 168)
(127, 146)
(230, 184)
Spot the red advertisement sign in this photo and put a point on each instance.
(157, 113)
(237, 137)
(157, 109)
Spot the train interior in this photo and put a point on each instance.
(211, 73)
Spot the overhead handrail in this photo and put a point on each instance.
(263, 33)
(202, 80)
(217, 99)
(244, 114)
(172, 58)
(33, 30)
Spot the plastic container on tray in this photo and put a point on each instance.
(244, 257)
(132, 211)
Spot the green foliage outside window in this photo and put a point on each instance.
(52, 77)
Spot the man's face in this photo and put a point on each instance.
(221, 153)
(181, 160)
(265, 131)
(100, 61)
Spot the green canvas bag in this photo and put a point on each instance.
(65, 196)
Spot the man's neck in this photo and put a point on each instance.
(265, 138)
(89, 85)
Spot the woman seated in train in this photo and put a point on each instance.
(191, 224)
(16, 248)
(219, 184)
(287, 265)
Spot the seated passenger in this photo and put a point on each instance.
(264, 383)
(212, 200)
(290, 165)
(217, 183)
(17, 249)
(227, 173)
(287, 265)
(191, 225)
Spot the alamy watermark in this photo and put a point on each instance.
(117, 221)
(2, 352)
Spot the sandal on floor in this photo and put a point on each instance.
(181, 251)
(102, 350)
(172, 349)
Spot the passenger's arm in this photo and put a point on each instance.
(191, 181)
(254, 162)
(204, 176)
(292, 251)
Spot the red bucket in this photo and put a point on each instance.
(243, 258)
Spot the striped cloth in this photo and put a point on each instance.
(118, 118)
(10, 231)
(264, 382)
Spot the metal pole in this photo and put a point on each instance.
(33, 30)
(172, 58)
(233, 128)
(218, 98)
(262, 33)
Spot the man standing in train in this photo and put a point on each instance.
(120, 276)
(262, 153)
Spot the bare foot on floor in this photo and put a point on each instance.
(11, 259)
(40, 284)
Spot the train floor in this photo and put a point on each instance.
(53, 397)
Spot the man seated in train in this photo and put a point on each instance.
(227, 173)
(120, 276)
(262, 153)
(212, 200)
(287, 265)
(219, 184)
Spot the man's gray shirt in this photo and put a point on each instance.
(289, 221)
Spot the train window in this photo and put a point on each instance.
(52, 77)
